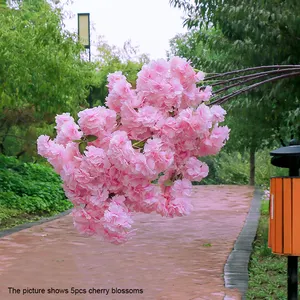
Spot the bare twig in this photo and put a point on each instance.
(267, 73)
(253, 86)
(251, 69)
(253, 77)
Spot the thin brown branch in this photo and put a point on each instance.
(254, 75)
(251, 69)
(253, 86)
(257, 76)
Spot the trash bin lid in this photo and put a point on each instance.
(287, 151)
(286, 157)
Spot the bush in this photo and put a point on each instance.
(234, 168)
(30, 188)
(226, 168)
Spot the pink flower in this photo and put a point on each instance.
(157, 157)
(117, 217)
(113, 78)
(181, 188)
(204, 95)
(120, 151)
(149, 116)
(97, 121)
(117, 222)
(144, 167)
(213, 143)
(120, 92)
(67, 130)
(180, 206)
(96, 161)
(99, 196)
(194, 169)
(53, 152)
(200, 76)
(87, 220)
(266, 195)
(218, 113)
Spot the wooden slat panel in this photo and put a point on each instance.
(278, 216)
(271, 242)
(296, 216)
(287, 216)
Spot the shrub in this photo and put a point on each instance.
(30, 188)
(234, 168)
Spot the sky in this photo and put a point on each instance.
(149, 24)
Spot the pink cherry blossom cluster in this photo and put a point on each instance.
(140, 154)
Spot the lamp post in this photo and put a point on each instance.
(84, 35)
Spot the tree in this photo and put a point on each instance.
(110, 59)
(246, 35)
(41, 73)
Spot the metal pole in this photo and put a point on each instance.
(90, 100)
(292, 268)
(292, 277)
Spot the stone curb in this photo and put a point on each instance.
(236, 268)
(30, 224)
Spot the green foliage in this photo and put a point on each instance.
(110, 59)
(211, 51)
(7, 213)
(229, 35)
(41, 72)
(233, 168)
(234, 34)
(30, 188)
(40, 63)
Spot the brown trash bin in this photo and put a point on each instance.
(284, 221)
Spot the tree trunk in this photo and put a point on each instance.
(252, 166)
(1, 148)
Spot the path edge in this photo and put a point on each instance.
(18, 228)
(236, 268)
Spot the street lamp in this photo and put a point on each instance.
(84, 35)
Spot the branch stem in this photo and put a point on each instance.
(248, 88)
(251, 69)
(251, 78)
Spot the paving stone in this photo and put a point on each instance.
(168, 258)
(236, 267)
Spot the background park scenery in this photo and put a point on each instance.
(44, 71)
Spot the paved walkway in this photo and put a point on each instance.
(171, 259)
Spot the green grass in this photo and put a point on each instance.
(267, 272)
(12, 217)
